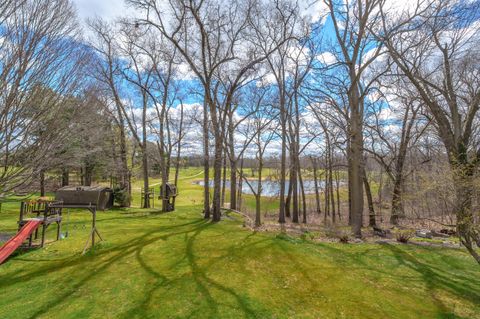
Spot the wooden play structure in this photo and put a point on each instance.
(37, 215)
(43, 211)
(169, 196)
(34, 214)
(151, 197)
(90, 198)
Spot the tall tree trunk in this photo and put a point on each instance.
(356, 137)
(224, 180)
(294, 183)
(124, 180)
(327, 189)
(258, 196)
(371, 209)
(304, 200)
(288, 199)
(337, 187)
(164, 166)
(179, 150)
(206, 164)
(283, 160)
(218, 132)
(463, 184)
(330, 183)
(240, 185)
(350, 181)
(397, 202)
(82, 179)
(42, 183)
(146, 186)
(217, 176)
(88, 173)
(332, 194)
(65, 176)
(315, 181)
(233, 163)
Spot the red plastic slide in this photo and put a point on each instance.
(9, 247)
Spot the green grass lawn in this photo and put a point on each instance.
(177, 265)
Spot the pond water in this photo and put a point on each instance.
(272, 188)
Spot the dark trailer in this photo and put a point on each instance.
(99, 196)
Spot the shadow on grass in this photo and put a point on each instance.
(204, 284)
(83, 262)
(95, 263)
(435, 280)
(434, 277)
(202, 269)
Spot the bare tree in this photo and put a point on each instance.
(140, 73)
(286, 26)
(41, 67)
(108, 71)
(355, 49)
(435, 51)
(210, 36)
(259, 131)
(391, 133)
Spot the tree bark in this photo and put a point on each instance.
(124, 171)
(240, 185)
(217, 178)
(288, 198)
(206, 165)
(258, 196)
(304, 200)
(356, 177)
(397, 202)
(463, 183)
(65, 176)
(224, 180)
(283, 160)
(233, 163)
(371, 209)
(315, 180)
(88, 173)
(146, 196)
(42, 183)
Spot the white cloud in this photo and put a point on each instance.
(184, 72)
(387, 114)
(314, 10)
(107, 9)
(326, 58)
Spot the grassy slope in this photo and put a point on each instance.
(177, 265)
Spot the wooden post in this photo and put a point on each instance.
(44, 230)
(22, 204)
(59, 223)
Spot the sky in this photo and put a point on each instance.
(111, 9)
(108, 9)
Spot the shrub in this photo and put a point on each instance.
(344, 238)
(342, 235)
(121, 197)
(404, 235)
(306, 235)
